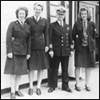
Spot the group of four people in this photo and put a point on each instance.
(29, 40)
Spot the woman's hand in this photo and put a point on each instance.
(46, 49)
(10, 55)
(28, 56)
(51, 53)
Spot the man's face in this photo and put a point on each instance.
(60, 16)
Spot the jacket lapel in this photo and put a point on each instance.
(19, 25)
(21, 28)
(81, 28)
(65, 27)
(35, 22)
(81, 25)
(88, 27)
(39, 21)
(58, 27)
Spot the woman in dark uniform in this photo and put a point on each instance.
(18, 50)
(84, 37)
(39, 46)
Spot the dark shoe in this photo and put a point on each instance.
(18, 93)
(51, 90)
(67, 89)
(87, 88)
(12, 96)
(38, 91)
(30, 92)
(77, 88)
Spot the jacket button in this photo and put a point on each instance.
(67, 34)
(62, 37)
(62, 41)
(76, 36)
(62, 44)
(13, 38)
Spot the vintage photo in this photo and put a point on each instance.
(49, 49)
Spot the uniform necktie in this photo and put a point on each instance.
(36, 19)
(61, 23)
(84, 26)
(85, 36)
(84, 30)
(22, 23)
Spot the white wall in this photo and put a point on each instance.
(8, 9)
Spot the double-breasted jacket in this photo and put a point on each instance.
(77, 34)
(39, 33)
(18, 38)
(60, 39)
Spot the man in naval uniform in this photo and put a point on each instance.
(60, 50)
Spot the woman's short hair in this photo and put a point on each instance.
(38, 4)
(22, 8)
(88, 14)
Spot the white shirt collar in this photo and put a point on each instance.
(37, 18)
(22, 21)
(60, 22)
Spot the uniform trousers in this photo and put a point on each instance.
(54, 65)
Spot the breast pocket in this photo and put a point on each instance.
(14, 42)
(15, 46)
(27, 31)
(16, 29)
(90, 29)
(42, 26)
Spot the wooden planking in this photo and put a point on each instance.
(59, 94)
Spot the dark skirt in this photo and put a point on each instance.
(84, 58)
(38, 60)
(16, 66)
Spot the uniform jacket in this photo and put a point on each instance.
(77, 34)
(60, 39)
(39, 33)
(18, 38)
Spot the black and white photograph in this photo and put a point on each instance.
(49, 49)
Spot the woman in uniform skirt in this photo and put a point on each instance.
(39, 47)
(18, 50)
(84, 38)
